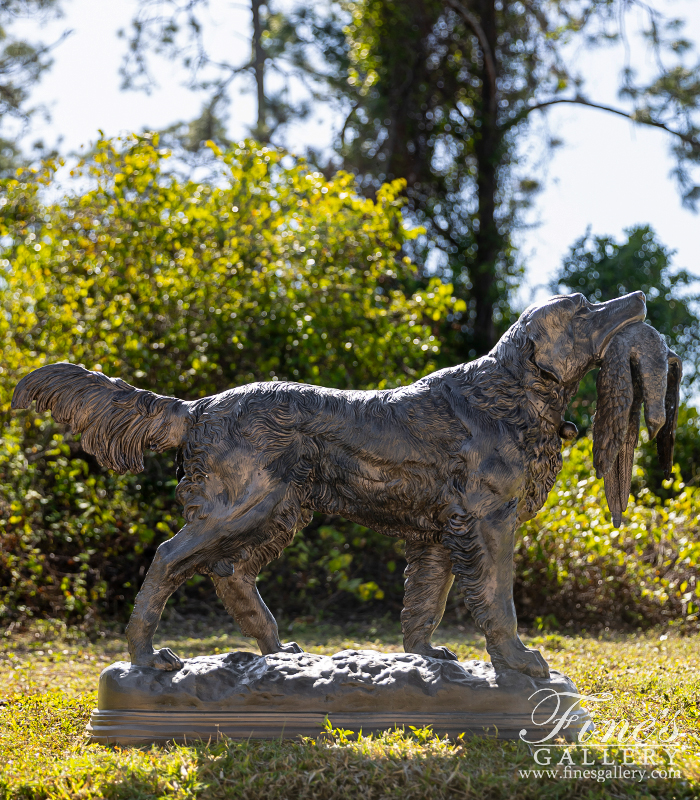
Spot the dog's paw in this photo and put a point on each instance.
(289, 647)
(533, 664)
(444, 653)
(436, 652)
(513, 654)
(163, 659)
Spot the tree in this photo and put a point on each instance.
(176, 29)
(442, 93)
(22, 64)
(601, 268)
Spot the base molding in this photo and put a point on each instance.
(125, 727)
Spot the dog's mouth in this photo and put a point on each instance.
(606, 319)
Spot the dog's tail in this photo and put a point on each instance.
(117, 421)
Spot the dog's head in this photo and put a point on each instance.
(570, 335)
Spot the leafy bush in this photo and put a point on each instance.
(573, 566)
(74, 539)
(267, 271)
(270, 271)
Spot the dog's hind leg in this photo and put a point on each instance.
(428, 581)
(199, 544)
(240, 596)
(482, 554)
(172, 565)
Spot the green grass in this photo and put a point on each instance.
(48, 679)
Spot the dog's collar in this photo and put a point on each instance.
(544, 409)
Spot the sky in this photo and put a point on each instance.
(609, 174)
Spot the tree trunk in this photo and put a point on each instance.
(261, 130)
(487, 238)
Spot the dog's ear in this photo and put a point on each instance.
(550, 329)
(667, 435)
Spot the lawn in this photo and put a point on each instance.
(48, 678)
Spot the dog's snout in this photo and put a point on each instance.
(631, 299)
(633, 304)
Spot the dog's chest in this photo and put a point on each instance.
(543, 464)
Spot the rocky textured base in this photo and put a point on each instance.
(243, 695)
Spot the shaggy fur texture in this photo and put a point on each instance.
(451, 463)
(117, 421)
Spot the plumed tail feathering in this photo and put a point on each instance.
(117, 421)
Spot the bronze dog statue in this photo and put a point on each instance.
(452, 464)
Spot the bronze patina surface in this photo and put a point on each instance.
(452, 463)
(285, 694)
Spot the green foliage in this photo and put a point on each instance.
(75, 540)
(574, 567)
(326, 560)
(190, 288)
(272, 272)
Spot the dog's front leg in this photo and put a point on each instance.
(482, 557)
(428, 581)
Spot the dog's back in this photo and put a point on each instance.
(342, 451)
